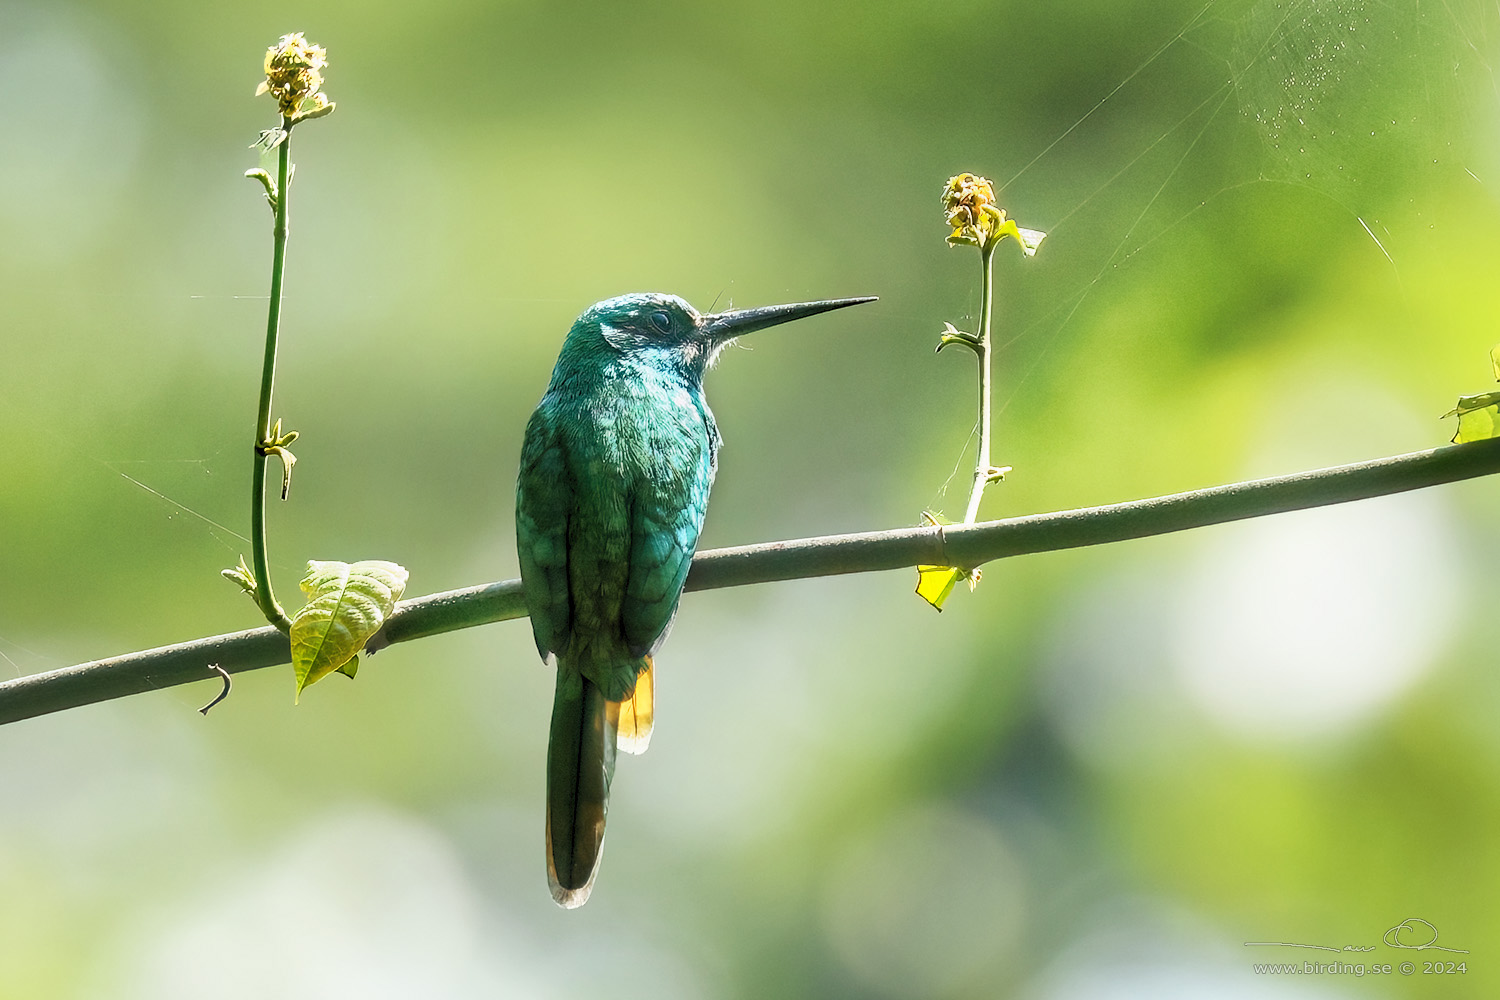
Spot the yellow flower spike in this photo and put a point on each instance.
(294, 73)
(969, 207)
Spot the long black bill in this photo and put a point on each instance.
(738, 322)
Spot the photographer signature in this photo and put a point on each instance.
(1412, 934)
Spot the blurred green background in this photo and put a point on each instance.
(1273, 246)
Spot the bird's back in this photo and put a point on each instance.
(614, 483)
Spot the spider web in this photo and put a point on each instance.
(1359, 101)
(1356, 99)
(1366, 104)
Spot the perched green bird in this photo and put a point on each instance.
(615, 473)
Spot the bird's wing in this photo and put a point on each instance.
(666, 515)
(544, 499)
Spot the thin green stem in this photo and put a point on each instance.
(264, 596)
(982, 468)
(963, 545)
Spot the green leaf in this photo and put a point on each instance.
(1030, 239)
(241, 577)
(1478, 417)
(935, 583)
(1477, 425)
(267, 182)
(346, 604)
(953, 335)
(971, 236)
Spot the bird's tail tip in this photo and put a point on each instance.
(638, 713)
(569, 899)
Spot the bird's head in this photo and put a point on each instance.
(666, 332)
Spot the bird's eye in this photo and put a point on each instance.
(661, 321)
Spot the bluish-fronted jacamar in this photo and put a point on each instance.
(615, 473)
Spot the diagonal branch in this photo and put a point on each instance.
(965, 546)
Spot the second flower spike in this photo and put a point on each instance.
(294, 76)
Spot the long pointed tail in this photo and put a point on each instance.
(580, 764)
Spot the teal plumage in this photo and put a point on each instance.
(618, 462)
